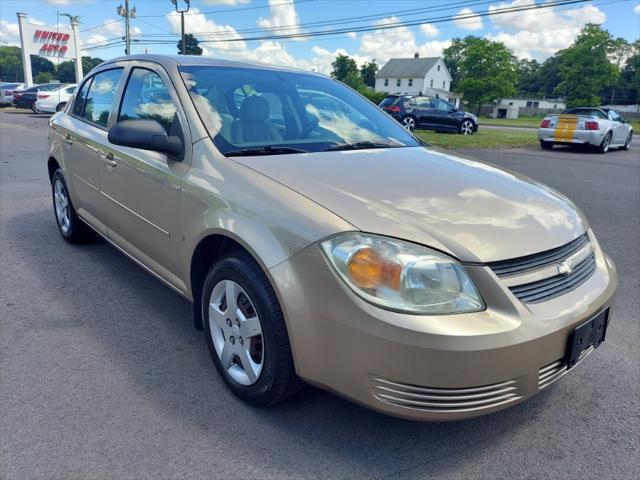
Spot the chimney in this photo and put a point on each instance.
(416, 55)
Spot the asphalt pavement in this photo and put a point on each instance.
(103, 376)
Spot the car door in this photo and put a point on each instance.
(619, 128)
(85, 130)
(143, 187)
(423, 111)
(443, 115)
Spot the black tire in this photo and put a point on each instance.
(546, 145)
(627, 143)
(61, 106)
(77, 231)
(409, 122)
(606, 142)
(33, 108)
(278, 379)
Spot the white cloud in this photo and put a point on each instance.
(540, 33)
(397, 42)
(284, 18)
(9, 33)
(352, 35)
(637, 9)
(429, 30)
(467, 20)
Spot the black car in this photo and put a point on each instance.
(429, 113)
(26, 98)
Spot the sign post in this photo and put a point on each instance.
(26, 58)
(76, 43)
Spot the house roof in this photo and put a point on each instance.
(407, 67)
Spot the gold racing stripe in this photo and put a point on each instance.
(565, 127)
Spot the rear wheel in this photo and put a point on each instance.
(606, 142)
(627, 143)
(546, 145)
(409, 123)
(246, 331)
(466, 127)
(72, 229)
(61, 106)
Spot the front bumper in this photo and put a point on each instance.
(430, 367)
(575, 137)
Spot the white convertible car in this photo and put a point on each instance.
(602, 128)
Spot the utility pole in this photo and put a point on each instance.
(128, 15)
(182, 12)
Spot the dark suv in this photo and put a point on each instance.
(429, 113)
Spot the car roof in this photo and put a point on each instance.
(199, 61)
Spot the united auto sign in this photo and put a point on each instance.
(52, 43)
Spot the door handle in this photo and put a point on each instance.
(109, 159)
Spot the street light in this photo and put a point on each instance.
(182, 12)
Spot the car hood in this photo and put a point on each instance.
(472, 210)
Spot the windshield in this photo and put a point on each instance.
(274, 112)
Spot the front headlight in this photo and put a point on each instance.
(401, 276)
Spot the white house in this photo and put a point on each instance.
(551, 103)
(414, 76)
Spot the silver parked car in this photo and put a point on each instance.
(320, 241)
(602, 128)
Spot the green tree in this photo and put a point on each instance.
(43, 77)
(345, 69)
(529, 80)
(89, 63)
(66, 71)
(486, 70)
(191, 45)
(452, 56)
(368, 73)
(586, 68)
(11, 64)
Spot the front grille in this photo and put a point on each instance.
(554, 285)
(556, 370)
(446, 400)
(537, 260)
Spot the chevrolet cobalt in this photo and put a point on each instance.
(321, 242)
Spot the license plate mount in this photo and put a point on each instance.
(591, 332)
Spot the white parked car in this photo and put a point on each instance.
(602, 128)
(6, 92)
(55, 100)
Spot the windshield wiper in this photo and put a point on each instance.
(357, 146)
(268, 150)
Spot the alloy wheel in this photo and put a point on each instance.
(61, 202)
(467, 127)
(409, 123)
(236, 332)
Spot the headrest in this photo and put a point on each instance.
(254, 109)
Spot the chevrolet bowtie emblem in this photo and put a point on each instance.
(564, 268)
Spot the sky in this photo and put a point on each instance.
(530, 34)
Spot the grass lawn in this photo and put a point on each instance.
(481, 139)
(533, 122)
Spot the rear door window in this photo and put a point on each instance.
(80, 97)
(99, 100)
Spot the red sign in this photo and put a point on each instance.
(53, 43)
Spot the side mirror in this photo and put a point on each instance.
(146, 135)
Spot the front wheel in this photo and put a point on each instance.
(409, 123)
(34, 109)
(606, 142)
(72, 229)
(627, 143)
(466, 127)
(246, 332)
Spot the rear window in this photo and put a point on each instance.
(588, 112)
(10, 86)
(389, 101)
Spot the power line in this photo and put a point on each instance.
(232, 10)
(440, 19)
